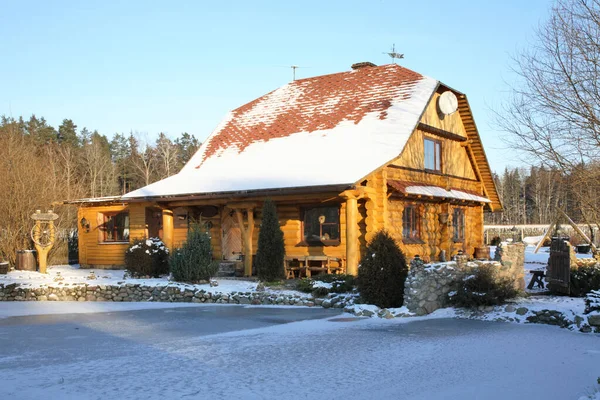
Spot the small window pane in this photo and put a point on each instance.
(410, 223)
(116, 227)
(321, 224)
(458, 223)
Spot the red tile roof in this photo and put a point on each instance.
(312, 104)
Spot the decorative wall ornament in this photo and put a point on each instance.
(43, 235)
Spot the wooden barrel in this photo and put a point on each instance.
(3, 268)
(26, 260)
(482, 253)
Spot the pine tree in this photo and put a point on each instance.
(67, 133)
(382, 272)
(187, 145)
(271, 248)
(193, 262)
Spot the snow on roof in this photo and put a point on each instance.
(104, 199)
(327, 130)
(435, 191)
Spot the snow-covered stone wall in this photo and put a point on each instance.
(427, 285)
(136, 292)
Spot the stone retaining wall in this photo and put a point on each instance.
(136, 292)
(427, 285)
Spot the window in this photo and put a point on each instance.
(433, 155)
(458, 223)
(321, 225)
(116, 227)
(410, 224)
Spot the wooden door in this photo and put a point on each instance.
(231, 236)
(559, 266)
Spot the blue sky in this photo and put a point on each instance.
(150, 67)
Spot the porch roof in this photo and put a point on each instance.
(420, 189)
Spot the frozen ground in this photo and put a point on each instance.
(222, 352)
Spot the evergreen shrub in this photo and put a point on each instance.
(193, 262)
(147, 257)
(271, 248)
(495, 241)
(382, 272)
(585, 279)
(482, 288)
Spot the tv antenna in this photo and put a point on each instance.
(294, 67)
(393, 54)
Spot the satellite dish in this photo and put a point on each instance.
(448, 103)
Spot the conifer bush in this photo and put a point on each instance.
(482, 288)
(382, 272)
(193, 262)
(147, 257)
(584, 279)
(271, 248)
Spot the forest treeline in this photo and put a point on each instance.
(41, 164)
(532, 195)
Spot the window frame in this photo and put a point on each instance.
(106, 216)
(414, 231)
(321, 242)
(458, 231)
(437, 155)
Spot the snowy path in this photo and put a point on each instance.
(223, 352)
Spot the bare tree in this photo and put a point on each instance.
(554, 112)
(167, 156)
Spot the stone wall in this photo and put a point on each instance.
(167, 293)
(427, 285)
(512, 258)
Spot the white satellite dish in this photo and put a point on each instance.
(448, 103)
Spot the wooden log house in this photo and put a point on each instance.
(342, 155)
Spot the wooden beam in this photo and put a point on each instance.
(548, 232)
(246, 233)
(478, 174)
(167, 222)
(440, 132)
(352, 249)
(578, 230)
(242, 205)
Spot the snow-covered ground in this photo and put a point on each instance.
(70, 275)
(133, 355)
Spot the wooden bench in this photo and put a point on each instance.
(536, 278)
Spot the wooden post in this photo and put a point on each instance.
(247, 233)
(42, 253)
(352, 250)
(167, 222)
(576, 228)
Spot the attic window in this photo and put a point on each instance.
(433, 155)
(321, 226)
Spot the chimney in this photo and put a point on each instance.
(363, 64)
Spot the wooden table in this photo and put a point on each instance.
(304, 265)
(536, 279)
